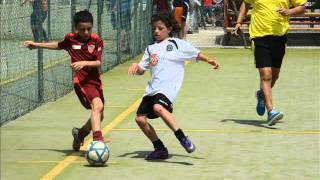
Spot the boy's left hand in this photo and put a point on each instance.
(30, 44)
(284, 12)
(214, 63)
(77, 66)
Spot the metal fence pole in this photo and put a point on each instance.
(39, 38)
(135, 26)
(49, 19)
(142, 18)
(118, 19)
(99, 16)
(149, 16)
(73, 11)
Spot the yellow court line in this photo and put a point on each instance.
(48, 162)
(74, 156)
(232, 131)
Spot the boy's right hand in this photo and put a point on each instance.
(30, 44)
(214, 63)
(133, 69)
(237, 29)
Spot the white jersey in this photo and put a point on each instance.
(166, 60)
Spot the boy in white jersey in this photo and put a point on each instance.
(166, 60)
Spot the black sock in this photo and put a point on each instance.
(157, 144)
(179, 134)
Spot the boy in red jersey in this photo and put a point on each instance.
(85, 50)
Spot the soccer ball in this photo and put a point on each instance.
(97, 153)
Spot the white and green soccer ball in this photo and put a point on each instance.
(97, 153)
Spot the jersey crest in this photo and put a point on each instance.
(91, 48)
(169, 47)
(153, 60)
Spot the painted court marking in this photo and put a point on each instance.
(231, 131)
(74, 156)
(54, 162)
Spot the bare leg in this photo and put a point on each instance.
(87, 125)
(146, 128)
(275, 76)
(171, 122)
(182, 33)
(166, 117)
(265, 85)
(96, 114)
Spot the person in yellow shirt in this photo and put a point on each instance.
(269, 26)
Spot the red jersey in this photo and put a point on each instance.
(90, 50)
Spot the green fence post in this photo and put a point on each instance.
(118, 19)
(99, 13)
(149, 12)
(135, 26)
(49, 19)
(39, 38)
(142, 20)
(73, 11)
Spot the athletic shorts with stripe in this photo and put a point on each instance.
(87, 92)
(146, 106)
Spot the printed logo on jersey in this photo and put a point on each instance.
(76, 46)
(169, 47)
(91, 48)
(153, 60)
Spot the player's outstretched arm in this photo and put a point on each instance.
(135, 69)
(242, 15)
(208, 60)
(46, 45)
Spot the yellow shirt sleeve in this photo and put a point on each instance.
(249, 1)
(296, 3)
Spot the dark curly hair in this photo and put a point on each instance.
(82, 16)
(169, 20)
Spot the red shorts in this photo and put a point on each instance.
(86, 93)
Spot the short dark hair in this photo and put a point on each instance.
(169, 20)
(82, 16)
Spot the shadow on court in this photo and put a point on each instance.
(143, 154)
(67, 152)
(257, 123)
(90, 166)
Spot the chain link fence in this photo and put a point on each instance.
(30, 78)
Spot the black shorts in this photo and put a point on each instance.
(146, 106)
(269, 51)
